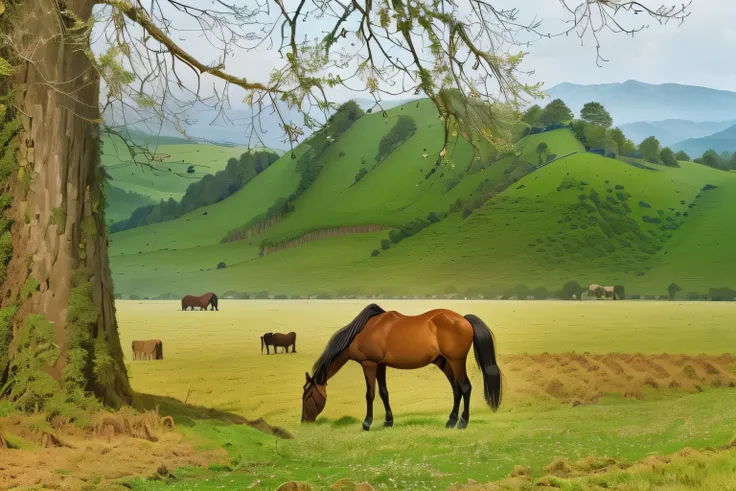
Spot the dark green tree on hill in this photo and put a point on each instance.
(672, 290)
(556, 112)
(595, 113)
(732, 162)
(572, 289)
(667, 156)
(595, 136)
(682, 156)
(649, 149)
(712, 159)
(532, 116)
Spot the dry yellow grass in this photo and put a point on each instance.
(214, 358)
(62, 456)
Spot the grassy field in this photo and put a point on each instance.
(167, 176)
(213, 359)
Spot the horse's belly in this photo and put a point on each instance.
(414, 354)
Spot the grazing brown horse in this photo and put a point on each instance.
(276, 339)
(152, 349)
(189, 302)
(609, 292)
(378, 339)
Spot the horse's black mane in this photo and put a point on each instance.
(340, 341)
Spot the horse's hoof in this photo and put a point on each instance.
(366, 425)
(462, 425)
(388, 424)
(451, 423)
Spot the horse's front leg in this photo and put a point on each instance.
(369, 370)
(383, 392)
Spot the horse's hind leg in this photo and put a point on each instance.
(441, 362)
(369, 370)
(383, 392)
(463, 382)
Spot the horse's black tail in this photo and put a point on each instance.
(485, 355)
(261, 344)
(213, 301)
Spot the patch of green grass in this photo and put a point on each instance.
(419, 453)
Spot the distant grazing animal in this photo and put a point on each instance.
(276, 339)
(378, 339)
(599, 291)
(594, 290)
(189, 302)
(151, 349)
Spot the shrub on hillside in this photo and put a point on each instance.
(672, 290)
(644, 204)
(221, 265)
(570, 289)
(541, 293)
(361, 174)
(652, 220)
(467, 212)
(280, 296)
(262, 295)
(323, 296)
(722, 294)
(399, 133)
(620, 292)
(375, 252)
(385, 244)
(694, 296)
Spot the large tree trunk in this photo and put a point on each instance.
(58, 233)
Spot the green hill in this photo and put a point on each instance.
(479, 224)
(166, 176)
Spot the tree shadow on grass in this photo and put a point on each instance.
(187, 414)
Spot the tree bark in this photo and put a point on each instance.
(58, 229)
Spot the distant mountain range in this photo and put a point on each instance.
(672, 131)
(633, 101)
(722, 141)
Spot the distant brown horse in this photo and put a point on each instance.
(189, 302)
(276, 339)
(378, 339)
(152, 349)
(609, 292)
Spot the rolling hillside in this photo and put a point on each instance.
(480, 225)
(165, 177)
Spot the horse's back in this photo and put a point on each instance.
(397, 319)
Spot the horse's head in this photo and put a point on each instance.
(313, 400)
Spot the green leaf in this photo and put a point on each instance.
(5, 68)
